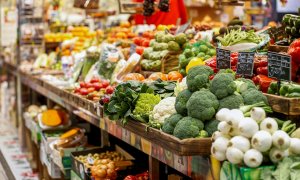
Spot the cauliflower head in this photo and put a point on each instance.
(164, 109)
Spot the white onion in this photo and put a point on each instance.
(239, 142)
(261, 141)
(269, 124)
(234, 155)
(281, 140)
(248, 127)
(253, 158)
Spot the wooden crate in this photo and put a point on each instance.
(185, 147)
(284, 105)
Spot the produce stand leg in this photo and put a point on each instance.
(104, 138)
(153, 168)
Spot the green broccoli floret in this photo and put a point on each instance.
(144, 106)
(181, 38)
(198, 77)
(174, 119)
(222, 85)
(233, 101)
(188, 127)
(253, 96)
(202, 105)
(170, 123)
(250, 83)
(181, 100)
(211, 126)
(202, 134)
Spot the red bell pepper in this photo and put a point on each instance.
(294, 52)
(263, 81)
(262, 70)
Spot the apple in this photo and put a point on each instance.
(84, 91)
(82, 84)
(105, 83)
(109, 90)
(97, 86)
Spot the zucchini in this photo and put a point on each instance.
(297, 22)
(294, 31)
(286, 19)
(291, 21)
(288, 30)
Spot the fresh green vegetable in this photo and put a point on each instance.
(250, 83)
(288, 127)
(198, 77)
(144, 106)
(188, 127)
(203, 134)
(202, 105)
(163, 88)
(222, 85)
(239, 36)
(181, 38)
(150, 65)
(253, 96)
(233, 101)
(181, 101)
(247, 108)
(170, 123)
(211, 126)
(173, 46)
(123, 100)
(229, 171)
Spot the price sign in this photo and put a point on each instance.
(279, 66)
(223, 59)
(245, 63)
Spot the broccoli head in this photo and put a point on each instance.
(188, 127)
(223, 85)
(233, 101)
(211, 126)
(249, 82)
(202, 105)
(181, 100)
(253, 96)
(170, 123)
(198, 77)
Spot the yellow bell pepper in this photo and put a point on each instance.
(194, 62)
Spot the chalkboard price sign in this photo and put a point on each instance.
(223, 59)
(279, 66)
(245, 63)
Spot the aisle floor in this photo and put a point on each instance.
(14, 164)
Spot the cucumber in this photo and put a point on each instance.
(295, 94)
(297, 22)
(286, 19)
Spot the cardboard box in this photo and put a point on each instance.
(79, 168)
(62, 157)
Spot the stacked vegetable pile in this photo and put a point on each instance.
(159, 47)
(287, 89)
(197, 105)
(195, 55)
(252, 140)
(292, 25)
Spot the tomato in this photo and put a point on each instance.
(88, 85)
(97, 86)
(91, 89)
(82, 84)
(105, 83)
(84, 91)
(146, 43)
(77, 90)
(94, 80)
(137, 41)
(139, 50)
(109, 90)
(174, 76)
(158, 75)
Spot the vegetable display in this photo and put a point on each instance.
(249, 140)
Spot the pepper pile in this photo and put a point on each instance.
(294, 52)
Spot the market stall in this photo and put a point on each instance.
(200, 100)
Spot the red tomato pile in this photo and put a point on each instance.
(143, 42)
(95, 89)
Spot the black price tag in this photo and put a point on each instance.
(245, 63)
(279, 66)
(223, 59)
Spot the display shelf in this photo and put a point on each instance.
(151, 142)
